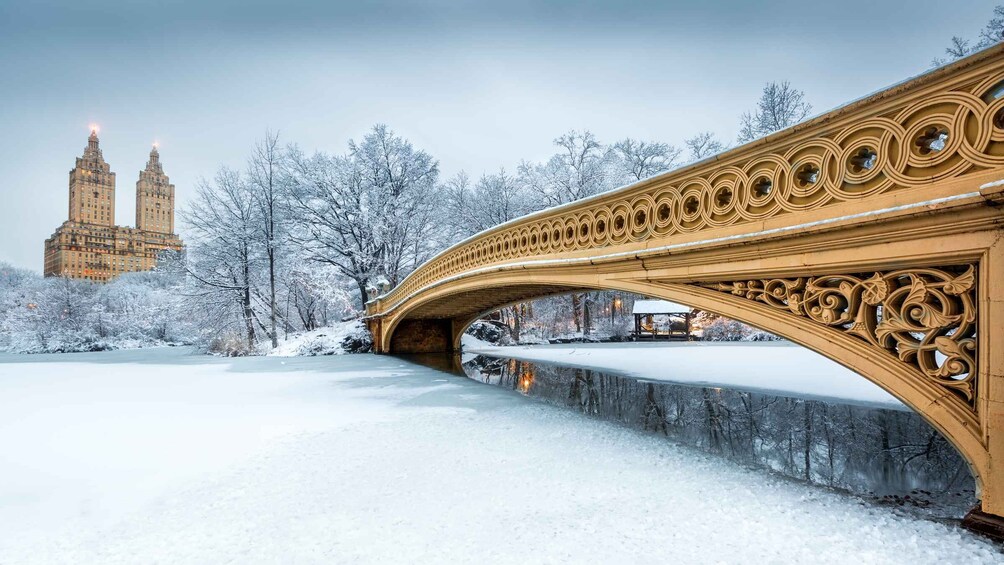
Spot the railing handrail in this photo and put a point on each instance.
(871, 106)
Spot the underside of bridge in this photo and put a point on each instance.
(436, 326)
(871, 235)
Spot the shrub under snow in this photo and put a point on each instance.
(345, 337)
(58, 315)
(725, 329)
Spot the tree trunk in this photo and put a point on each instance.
(807, 413)
(577, 311)
(887, 467)
(364, 297)
(714, 435)
(515, 329)
(273, 314)
(248, 315)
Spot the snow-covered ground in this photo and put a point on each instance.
(777, 366)
(162, 456)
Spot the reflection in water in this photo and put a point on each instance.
(891, 456)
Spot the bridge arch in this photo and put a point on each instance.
(937, 405)
(847, 234)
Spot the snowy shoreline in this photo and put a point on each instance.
(766, 367)
(159, 455)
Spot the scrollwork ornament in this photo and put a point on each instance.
(926, 317)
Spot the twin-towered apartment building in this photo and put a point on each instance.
(89, 245)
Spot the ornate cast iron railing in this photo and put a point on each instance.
(947, 123)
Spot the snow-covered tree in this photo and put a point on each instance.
(316, 296)
(225, 252)
(370, 213)
(493, 200)
(14, 288)
(637, 160)
(780, 106)
(703, 145)
(60, 314)
(267, 187)
(580, 168)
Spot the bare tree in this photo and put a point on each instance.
(958, 49)
(266, 183)
(780, 106)
(224, 251)
(495, 199)
(991, 34)
(703, 145)
(458, 199)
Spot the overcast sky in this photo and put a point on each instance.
(478, 85)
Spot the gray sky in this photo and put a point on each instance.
(476, 84)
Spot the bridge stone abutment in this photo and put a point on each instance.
(873, 235)
(423, 336)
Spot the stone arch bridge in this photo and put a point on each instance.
(873, 235)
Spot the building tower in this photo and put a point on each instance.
(92, 187)
(88, 245)
(154, 197)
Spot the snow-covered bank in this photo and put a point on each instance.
(158, 456)
(770, 367)
(338, 339)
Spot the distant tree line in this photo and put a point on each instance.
(39, 315)
(294, 240)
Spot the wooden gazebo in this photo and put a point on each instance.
(661, 319)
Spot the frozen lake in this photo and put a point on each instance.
(160, 455)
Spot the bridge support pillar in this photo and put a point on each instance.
(988, 517)
(423, 336)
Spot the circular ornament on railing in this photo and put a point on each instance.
(556, 227)
(619, 214)
(663, 218)
(601, 226)
(524, 241)
(569, 234)
(639, 221)
(723, 197)
(535, 242)
(765, 190)
(691, 205)
(584, 225)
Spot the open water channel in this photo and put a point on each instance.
(884, 455)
